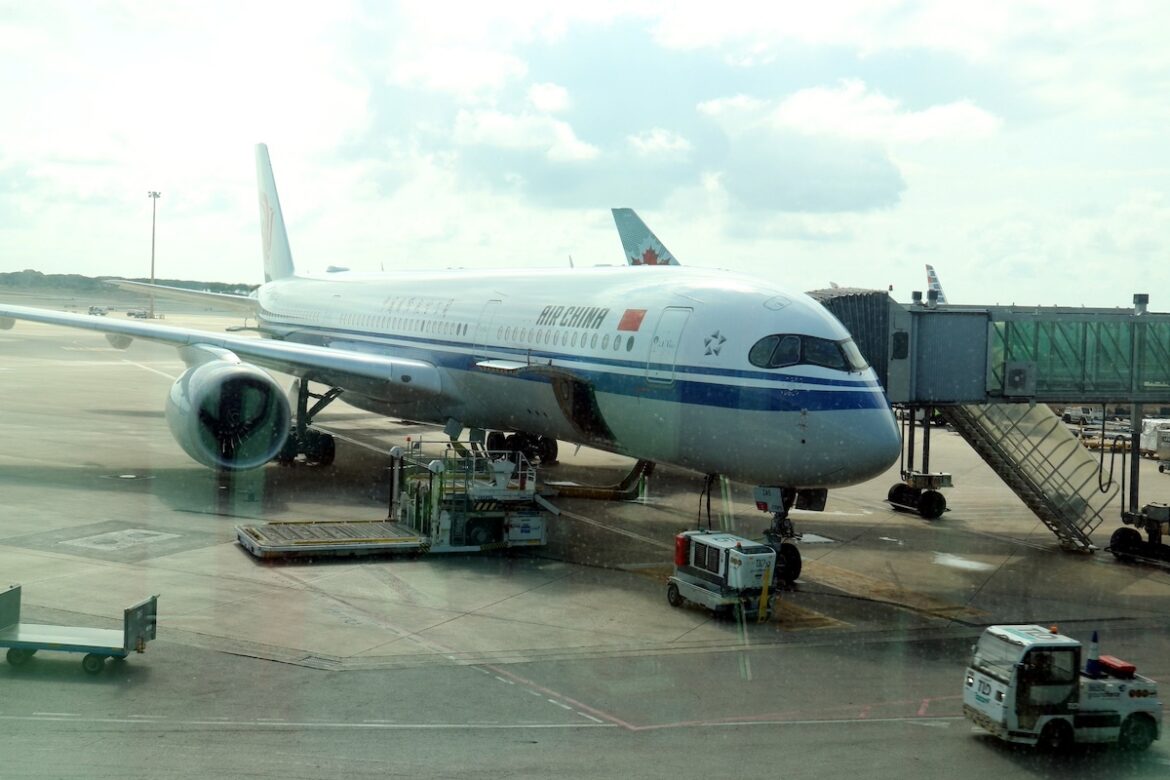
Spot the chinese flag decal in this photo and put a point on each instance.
(632, 319)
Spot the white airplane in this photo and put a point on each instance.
(707, 370)
(932, 283)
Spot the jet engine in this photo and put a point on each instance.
(228, 415)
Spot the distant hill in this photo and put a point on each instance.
(37, 281)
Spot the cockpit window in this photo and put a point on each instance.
(779, 350)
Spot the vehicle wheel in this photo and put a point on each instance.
(788, 563)
(93, 664)
(478, 534)
(1137, 733)
(932, 504)
(895, 492)
(1125, 541)
(495, 442)
(18, 655)
(673, 596)
(1056, 737)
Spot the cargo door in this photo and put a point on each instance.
(483, 328)
(664, 345)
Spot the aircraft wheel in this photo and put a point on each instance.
(17, 656)
(546, 448)
(788, 563)
(93, 664)
(1056, 737)
(932, 504)
(1137, 732)
(496, 441)
(673, 596)
(1124, 541)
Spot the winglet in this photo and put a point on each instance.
(640, 244)
(278, 262)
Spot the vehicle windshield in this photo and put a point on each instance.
(996, 657)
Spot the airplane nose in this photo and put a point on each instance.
(874, 444)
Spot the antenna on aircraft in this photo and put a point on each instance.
(571, 261)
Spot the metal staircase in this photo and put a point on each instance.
(1042, 462)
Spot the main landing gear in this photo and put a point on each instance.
(318, 449)
(532, 447)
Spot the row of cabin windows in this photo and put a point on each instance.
(406, 324)
(440, 328)
(559, 338)
(789, 349)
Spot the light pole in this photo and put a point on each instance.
(154, 196)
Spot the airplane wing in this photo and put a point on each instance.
(244, 303)
(365, 373)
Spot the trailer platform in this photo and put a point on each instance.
(23, 640)
(311, 538)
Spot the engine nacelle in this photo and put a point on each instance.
(228, 415)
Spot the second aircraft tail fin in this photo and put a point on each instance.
(932, 283)
(641, 246)
(278, 262)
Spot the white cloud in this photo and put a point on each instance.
(548, 98)
(466, 72)
(522, 131)
(658, 142)
(852, 110)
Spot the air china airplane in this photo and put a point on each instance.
(707, 370)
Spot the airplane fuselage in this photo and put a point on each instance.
(647, 362)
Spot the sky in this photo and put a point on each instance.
(1019, 147)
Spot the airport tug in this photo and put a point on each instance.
(722, 572)
(1026, 684)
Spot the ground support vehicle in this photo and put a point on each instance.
(464, 500)
(722, 572)
(1026, 684)
(1126, 543)
(23, 640)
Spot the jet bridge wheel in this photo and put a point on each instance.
(1125, 541)
(932, 504)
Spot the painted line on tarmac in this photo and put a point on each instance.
(620, 531)
(289, 724)
(151, 370)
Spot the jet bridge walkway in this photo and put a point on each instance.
(991, 370)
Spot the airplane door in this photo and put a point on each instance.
(664, 345)
(483, 327)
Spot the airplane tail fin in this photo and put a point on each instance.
(932, 283)
(641, 246)
(278, 262)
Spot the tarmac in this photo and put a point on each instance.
(101, 508)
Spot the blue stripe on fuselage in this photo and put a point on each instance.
(853, 394)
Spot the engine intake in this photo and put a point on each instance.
(228, 415)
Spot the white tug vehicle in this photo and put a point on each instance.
(1026, 684)
(721, 572)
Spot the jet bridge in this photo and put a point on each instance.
(990, 371)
